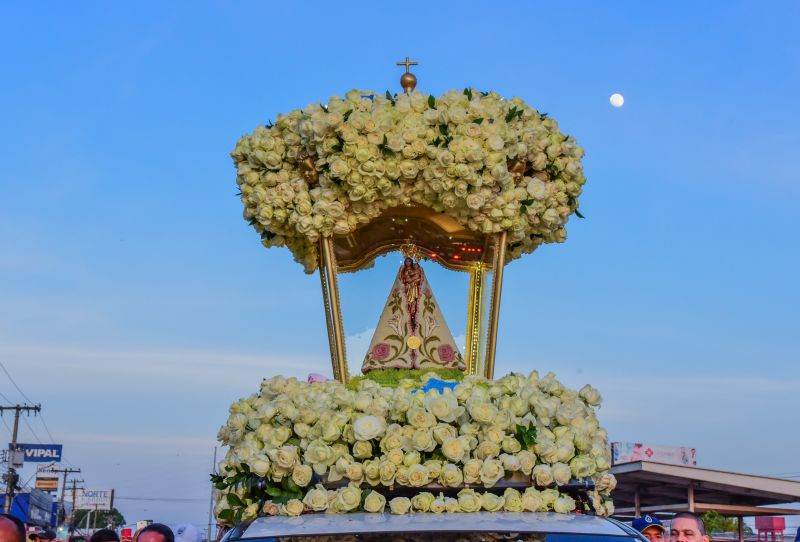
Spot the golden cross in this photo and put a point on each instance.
(407, 63)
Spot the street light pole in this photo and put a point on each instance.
(10, 481)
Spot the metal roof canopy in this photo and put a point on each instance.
(661, 489)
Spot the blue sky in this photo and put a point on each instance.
(136, 304)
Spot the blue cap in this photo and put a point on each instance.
(642, 523)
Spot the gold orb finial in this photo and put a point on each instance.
(408, 80)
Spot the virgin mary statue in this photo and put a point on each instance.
(411, 332)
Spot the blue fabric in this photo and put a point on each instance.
(438, 385)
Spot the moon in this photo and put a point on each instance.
(617, 100)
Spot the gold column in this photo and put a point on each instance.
(333, 310)
(326, 302)
(475, 323)
(494, 312)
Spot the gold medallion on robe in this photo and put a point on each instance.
(413, 342)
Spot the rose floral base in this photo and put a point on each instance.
(510, 444)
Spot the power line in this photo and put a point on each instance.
(28, 425)
(14, 383)
(159, 499)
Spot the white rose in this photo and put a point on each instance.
(543, 475)
(293, 507)
(369, 427)
(537, 188)
(374, 502)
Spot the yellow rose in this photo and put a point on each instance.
(412, 458)
(434, 467)
(285, 456)
(531, 500)
(316, 499)
(472, 471)
(491, 502)
(319, 455)
(400, 505)
(482, 412)
(348, 498)
(271, 509)
(417, 475)
(469, 501)
(510, 462)
(423, 441)
(543, 475)
(374, 502)
(564, 504)
(494, 434)
(443, 431)
(395, 456)
(419, 417)
(561, 473)
(549, 497)
(454, 449)
(401, 476)
(301, 475)
(438, 505)
(354, 472)
(487, 449)
(387, 472)
(444, 407)
(372, 471)
(362, 449)
(451, 505)
(510, 445)
(451, 475)
(512, 500)
(421, 502)
(260, 466)
(293, 507)
(491, 472)
(392, 441)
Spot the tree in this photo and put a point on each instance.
(99, 519)
(717, 523)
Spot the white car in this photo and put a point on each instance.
(429, 527)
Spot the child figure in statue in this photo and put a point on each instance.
(412, 332)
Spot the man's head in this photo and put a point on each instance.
(157, 532)
(11, 529)
(687, 527)
(651, 527)
(104, 535)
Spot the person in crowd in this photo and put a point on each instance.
(687, 527)
(651, 527)
(104, 535)
(156, 532)
(186, 532)
(47, 535)
(11, 529)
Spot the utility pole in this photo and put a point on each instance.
(75, 489)
(66, 472)
(10, 474)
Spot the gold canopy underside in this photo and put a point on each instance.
(440, 238)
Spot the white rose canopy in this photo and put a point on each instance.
(468, 179)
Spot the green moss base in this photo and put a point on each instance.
(393, 378)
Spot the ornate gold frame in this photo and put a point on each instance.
(364, 245)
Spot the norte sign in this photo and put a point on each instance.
(42, 453)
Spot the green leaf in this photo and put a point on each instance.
(478, 120)
(443, 129)
(226, 515)
(324, 107)
(432, 102)
(291, 486)
(347, 114)
(234, 500)
(527, 202)
(389, 97)
(274, 491)
(543, 116)
(578, 214)
(511, 113)
(468, 93)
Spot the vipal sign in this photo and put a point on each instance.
(42, 453)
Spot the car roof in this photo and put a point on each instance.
(371, 523)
